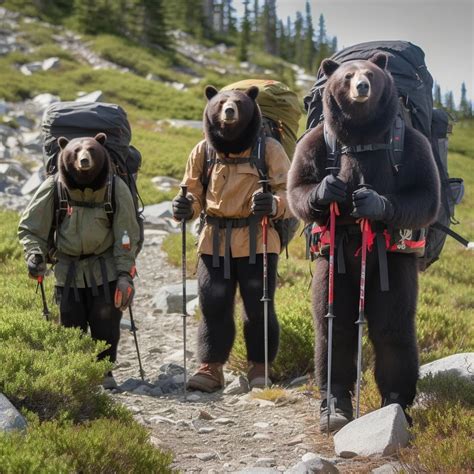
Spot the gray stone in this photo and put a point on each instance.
(390, 468)
(165, 183)
(95, 96)
(262, 436)
(156, 392)
(238, 386)
(13, 170)
(206, 430)
(162, 209)
(29, 68)
(262, 425)
(130, 384)
(172, 369)
(300, 381)
(258, 470)
(205, 456)
(170, 298)
(269, 462)
(313, 465)
(33, 183)
(193, 397)
(152, 77)
(309, 456)
(3, 107)
(142, 390)
(125, 324)
(50, 63)
(223, 421)
(461, 365)
(192, 306)
(175, 123)
(379, 433)
(10, 417)
(43, 101)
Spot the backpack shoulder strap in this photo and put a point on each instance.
(258, 158)
(109, 204)
(332, 149)
(397, 142)
(210, 157)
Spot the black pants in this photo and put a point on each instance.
(94, 312)
(391, 324)
(217, 296)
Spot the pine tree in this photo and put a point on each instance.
(256, 16)
(464, 105)
(334, 45)
(309, 48)
(298, 39)
(449, 102)
(245, 33)
(154, 27)
(437, 101)
(230, 21)
(283, 41)
(322, 30)
(269, 24)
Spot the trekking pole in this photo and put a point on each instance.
(265, 298)
(134, 330)
(333, 212)
(365, 228)
(46, 312)
(184, 192)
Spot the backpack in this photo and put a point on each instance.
(406, 63)
(86, 119)
(280, 107)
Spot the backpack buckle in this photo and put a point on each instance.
(108, 208)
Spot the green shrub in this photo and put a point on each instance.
(100, 446)
(172, 246)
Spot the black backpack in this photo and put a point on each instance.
(86, 119)
(406, 63)
(287, 227)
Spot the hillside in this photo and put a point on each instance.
(50, 372)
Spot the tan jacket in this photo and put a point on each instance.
(229, 194)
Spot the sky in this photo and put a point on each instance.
(442, 28)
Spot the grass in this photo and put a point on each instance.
(272, 394)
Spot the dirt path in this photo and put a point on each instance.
(209, 433)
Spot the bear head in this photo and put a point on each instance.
(360, 97)
(232, 119)
(84, 162)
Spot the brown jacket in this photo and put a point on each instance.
(229, 194)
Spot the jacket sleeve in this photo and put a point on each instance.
(37, 219)
(192, 178)
(278, 165)
(124, 220)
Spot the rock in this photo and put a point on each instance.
(192, 307)
(29, 68)
(309, 456)
(169, 298)
(172, 369)
(142, 390)
(258, 470)
(300, 381)
(50, 63)
(13, 170)
(205, 456)
(297, 440)
(161, 419)
(130, 385)
(165, 183)
(10, 417)
(266, 462)
(33, 183)
(262, 425)
(223, 421)
(461, 365)
(204, 415)
(156, 392)
(125, 324)
(96, 96)
(193, 397)
(43, 101)
(206, 430)
(152, 77)
(262, 436)
(390, 468)
(379, 433)
(238, 386)
(175, 123)
(313, 465)
(162, 209)
(3, 107)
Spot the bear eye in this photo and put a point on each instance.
(349, 75)
(370, 74)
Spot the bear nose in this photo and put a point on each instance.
(362, 87)
(229, 112)
(84, 161)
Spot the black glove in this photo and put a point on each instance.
(182, 208)
(36, 265)
(371, 205)
(330, 189)
(124, 292)
(263, 204)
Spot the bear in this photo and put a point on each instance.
(232, 205)
(94, 254)
(360, 104)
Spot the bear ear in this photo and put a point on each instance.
(101, 138)
(210, 92)
(380, 60)
(329, 66)
(252, 92)
(62, 142)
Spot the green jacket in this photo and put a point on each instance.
(87, 231)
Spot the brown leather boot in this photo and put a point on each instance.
(208, 378)
(256, 375)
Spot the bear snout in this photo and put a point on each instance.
(230, 112)
(363, 87)
(360, 88)
(84, 160)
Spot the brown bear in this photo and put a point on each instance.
(359, 106)
(92, 216)
(224, 186)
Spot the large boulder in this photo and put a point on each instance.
(95, 96)
(169, 299)
(10, 417)
(379, 433)
(461, 365)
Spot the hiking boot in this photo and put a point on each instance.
(256, 375)
(109, 382)
(341, 414)
(208, 378)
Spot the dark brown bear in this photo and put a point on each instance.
(84, 162)
(231, 120)
(360, 104)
